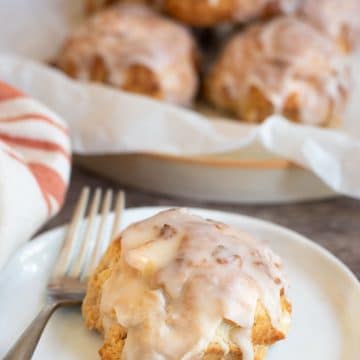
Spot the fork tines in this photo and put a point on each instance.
(86, 241)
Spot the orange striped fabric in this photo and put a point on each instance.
(35, 163)
(52, 181)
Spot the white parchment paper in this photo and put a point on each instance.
(103, 120)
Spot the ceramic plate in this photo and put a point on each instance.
(324, 293)
(247, 176)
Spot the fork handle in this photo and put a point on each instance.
(24, 348)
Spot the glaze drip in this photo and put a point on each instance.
(180, 276)
(128, 35)
(336, 18)
(287, 58)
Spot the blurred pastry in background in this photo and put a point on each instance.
(177, 286)
(339, 19)
(92, 6)
(204, 13)
(132, 48)
(284, 66)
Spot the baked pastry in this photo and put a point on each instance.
(177, 286)
(132, 48)
(208, 13)
(284, 66)
(92, 6)
(339, 19)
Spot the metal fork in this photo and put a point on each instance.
(78, 257)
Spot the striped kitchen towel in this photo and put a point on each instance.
(35, 162)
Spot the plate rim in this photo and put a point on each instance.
(297, 237)
(276, 163)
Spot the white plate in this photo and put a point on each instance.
(324, 293)
(246, 176)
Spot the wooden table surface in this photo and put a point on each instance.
(334, 224)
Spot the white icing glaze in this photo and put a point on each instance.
(96, 5)
(127, 35)
(333, 17)
(248, 9)
(287, 56)
(243, 338)
(180, 276)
